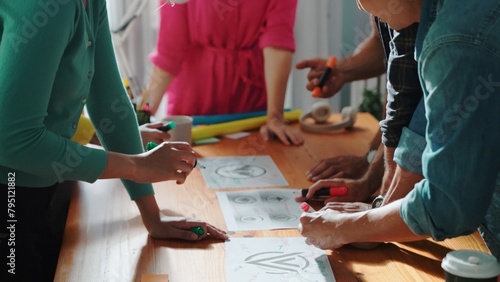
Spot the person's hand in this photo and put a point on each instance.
(352, 208)
(161, 226)
(357, 190)
(317, 66)
(167, 161)
(286, 134)
(150, 133)
(174, 227)
(338, 167)
(323, 228)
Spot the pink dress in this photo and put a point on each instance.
(213, 48)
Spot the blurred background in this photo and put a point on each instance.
(322, 28)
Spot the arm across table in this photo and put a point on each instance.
(105, 240)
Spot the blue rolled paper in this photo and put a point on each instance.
(214, 119)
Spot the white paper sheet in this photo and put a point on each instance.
(276, 260)
(260, 209)
(238, 172)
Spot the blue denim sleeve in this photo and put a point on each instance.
(411, 146)
(461, 158)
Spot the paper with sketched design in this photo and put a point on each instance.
(260, 209)
(238, 172)
(276, 260)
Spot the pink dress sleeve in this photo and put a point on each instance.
(173, 38)
(278, 30)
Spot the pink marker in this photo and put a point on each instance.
(306, 207)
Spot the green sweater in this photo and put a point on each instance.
(55, 58)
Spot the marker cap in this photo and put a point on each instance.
(304, 206)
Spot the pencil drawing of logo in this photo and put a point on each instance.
(279, 262)
(284, 217)
(240, 171)
(251, 218)
(276, 199)
(244, 200)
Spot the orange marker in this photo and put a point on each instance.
(324, 76)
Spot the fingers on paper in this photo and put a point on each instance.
(216, 232)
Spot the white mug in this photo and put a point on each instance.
(182, 130)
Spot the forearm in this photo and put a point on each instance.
(373, 176)
(390, 168)
(150, 212)
(159, 83)
(367, 61)
(383, 224)
(375, 143)
(402, 183)
(277, 66)
(119, 166)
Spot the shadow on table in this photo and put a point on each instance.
(424, 255)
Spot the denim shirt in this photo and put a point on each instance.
(458, 52)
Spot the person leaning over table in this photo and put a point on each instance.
(385, 50)
(459, 61)
(226, 57)
(69, 62)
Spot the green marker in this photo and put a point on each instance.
(150, 146)
(198, 230)
(167, 126)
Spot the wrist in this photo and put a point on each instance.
(345, 70)
(276, 120)
(370, 181)
(275, 115)
(119, 166)
(149, 210)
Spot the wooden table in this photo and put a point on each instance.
(105, 240)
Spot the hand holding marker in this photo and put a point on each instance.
(167, 126)
(306, 208)
(327, 191)
(330, 64)
(152, 145)
(198, 230)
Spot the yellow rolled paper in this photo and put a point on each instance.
(201, 132)
(84, 132)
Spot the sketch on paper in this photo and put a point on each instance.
(260, 209)
(238, 172)
(276, 259)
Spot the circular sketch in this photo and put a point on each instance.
(240, 171)
(251, 218)
(244, 200)
(284, 217)
(276, 199)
